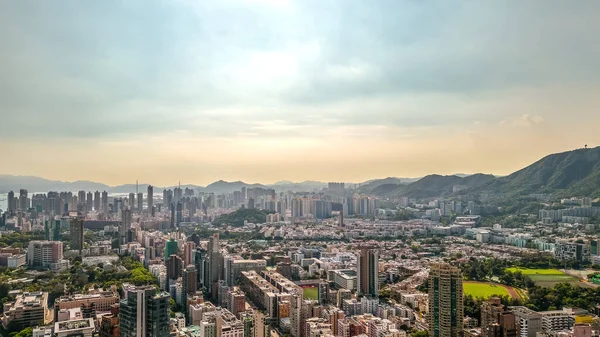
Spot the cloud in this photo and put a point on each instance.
(307, 75)
(525, 120)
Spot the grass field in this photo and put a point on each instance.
(311, 293)
(545, 277)
(487, 290)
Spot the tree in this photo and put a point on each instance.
(421, 333)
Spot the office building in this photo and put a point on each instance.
(28, 309)
(446, 310)
(144, 312)
(368, 272)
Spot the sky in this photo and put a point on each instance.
(268, 90)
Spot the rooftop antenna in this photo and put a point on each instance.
(136, 187)
(586, 146)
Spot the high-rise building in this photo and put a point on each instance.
(89, 202)
(144, 312)
(81, 197)
(140, 202)
(11, 201)
(131, 201)
(214, 261)
(150, 199)
(199, 262)
(174, 267)
(76, 229)
(97, 201)
(446, 311)
(171, 248)
(188, 250)
(125, 227)
(23, 200)
(189, 282)
(368, 272)
(105, 202)
(490, 310)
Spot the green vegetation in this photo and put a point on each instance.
(311, 293)
(484, 290)
(20, 240)
(27, 332)
(543, 277)
(237, 218)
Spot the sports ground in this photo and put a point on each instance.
(486, 290)
(545, 277)
(311, 293)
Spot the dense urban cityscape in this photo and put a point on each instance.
(299, 168)
(333, 261)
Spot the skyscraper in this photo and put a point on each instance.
(125, 227)
(132, 201)
(446, 311)
(214, 261)
(150, 199)
(140, 202)
(89, 203)
(76, 229)
(188, 250)
(171, 248)
(80, 198)
(105, 202)
(189, 282)
(144, 312)
(97, 201)
(174, 267)
(11, 201)
(23, 201)
(368, 272)
(199, 262)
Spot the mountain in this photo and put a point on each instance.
(223, 186)
(571, 173)
(574, 173)
(37, 184)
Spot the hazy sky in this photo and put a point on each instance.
(260, 91)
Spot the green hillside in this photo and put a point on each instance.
(236, 219)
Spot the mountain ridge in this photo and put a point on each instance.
(575, 172)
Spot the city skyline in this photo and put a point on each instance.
(262, 91)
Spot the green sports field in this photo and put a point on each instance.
(487, 290)
(311, 293)
(545, 277)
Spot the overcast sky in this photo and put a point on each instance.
(260, 91)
